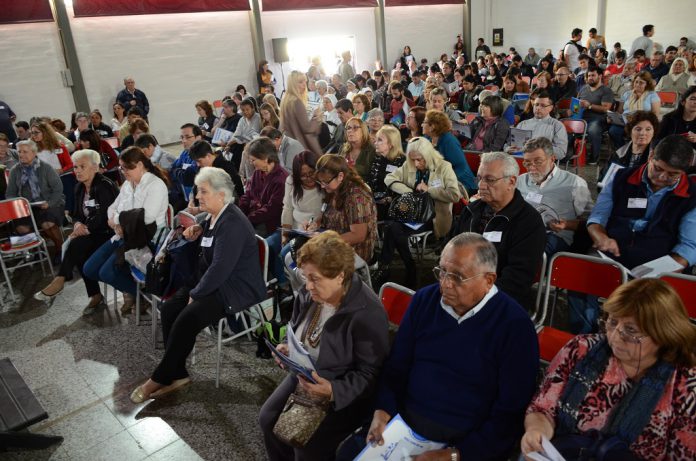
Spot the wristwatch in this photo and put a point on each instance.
(454, 454)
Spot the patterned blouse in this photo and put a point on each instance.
(359, 208)
(671, 432)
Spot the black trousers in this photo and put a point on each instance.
(396, 237)
(322, 446)
(181, 323)
(79, 250)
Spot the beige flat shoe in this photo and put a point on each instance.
(138, 395)
(177, 384)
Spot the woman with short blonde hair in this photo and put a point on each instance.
(390, 156)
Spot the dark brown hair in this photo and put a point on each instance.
(131, 156)
(333, 164)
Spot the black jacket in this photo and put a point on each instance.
(520, 246)
(102, 193)
(495, 137)
(229, 262)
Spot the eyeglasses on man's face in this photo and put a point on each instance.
(489, 179)
(186, 136)
(452, 277)
(539, 161)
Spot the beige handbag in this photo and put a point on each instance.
(301, 417)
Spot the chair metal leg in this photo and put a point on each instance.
(219, 353)
(7, 280)
(155, 314)
(137, 304)
(48, 260)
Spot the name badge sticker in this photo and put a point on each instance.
(186, 166)
(637, 202)
(207, 242)
(436, 183)
(391, 168)
(533, 197)
(493, 236)
(90, 203)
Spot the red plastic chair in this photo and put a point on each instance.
(113, 142)
(564, 104)
(492, 87)
(668, 98)
(577, 127)
(685, 286)
(581, 273)
(395, 299)
(519, 161)
(473, 158)
(217, 105)
(18, 208)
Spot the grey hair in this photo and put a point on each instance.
(374, 113)
(510, 166)
(486, 255)
(90, 154)
(322, 84)
(218, 180)
(81, 115)
(539, 143)
(31, 144)
(631, 62)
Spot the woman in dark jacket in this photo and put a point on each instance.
(94, 194)
(681, 120)
(90, 139)
(343, 327)
(263, 200)
(227, 277)
(389, 158)
(206, 119)
(489, 130)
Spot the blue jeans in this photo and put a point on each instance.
(276, 256)
(617, 134)
(583, 312)
(101, 266)
(595, 129)
(554, 244)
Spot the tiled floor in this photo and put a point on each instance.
(82, 369)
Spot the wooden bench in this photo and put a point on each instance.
(19, 409)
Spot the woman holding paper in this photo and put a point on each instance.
(628, 392)
(94, 194)
(641, 97)
(343, 327)
(228, 278)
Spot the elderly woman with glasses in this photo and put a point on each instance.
(94, 194)
(343, 327)
(427, 172)
(357, 150)
(228, 279)
(625, 394)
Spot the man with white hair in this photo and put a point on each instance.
(559, 196)
(463, 363)
(130, 96)
(514, 227)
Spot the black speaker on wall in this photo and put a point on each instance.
(280, 50)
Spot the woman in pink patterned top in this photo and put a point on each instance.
(630, 392)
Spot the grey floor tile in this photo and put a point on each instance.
(177, 451)
(121, 446)
(87, 428)
(153, 434)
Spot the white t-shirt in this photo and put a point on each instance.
(572, 53)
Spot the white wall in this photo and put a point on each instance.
(673, 19)
(176, 59)
(359, 22)
(547, 23)
(429, 31)
(30, 71)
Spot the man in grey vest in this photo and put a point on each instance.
(560, 196)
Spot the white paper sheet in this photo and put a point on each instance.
(651, 269)
(549, 454)
(611, 172)
(297, 352)
(222, 136)
(400, 444)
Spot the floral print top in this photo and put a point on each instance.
(671, 431)
(358, 208)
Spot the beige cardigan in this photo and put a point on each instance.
(295, 124)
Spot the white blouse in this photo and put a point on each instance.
(150, 193)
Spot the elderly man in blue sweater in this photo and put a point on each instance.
(464, 362)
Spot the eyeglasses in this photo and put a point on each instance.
(186, 136)
(535, 162)
(489, 179)
(352, 127)
(536, 104)
(627, 334)
(671, 175)
(451, 277)
(326, 184)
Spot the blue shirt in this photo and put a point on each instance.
(686, 247)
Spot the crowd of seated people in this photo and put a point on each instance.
(329, 158)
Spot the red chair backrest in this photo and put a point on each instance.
(668, 98)
(519, 161)
(563, 104)
(113, 142)
(474, 160)
(14, 208)
(574, 126)
(395, 302)
(217, 103)
(685, 286)
(469, 117)
(185, 219)
(597, 278)
(492, 87)
(551, 340)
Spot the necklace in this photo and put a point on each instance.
(313, 331)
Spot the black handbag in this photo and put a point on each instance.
(157, 275)
(414, 207)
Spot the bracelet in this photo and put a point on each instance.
(454, 454)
